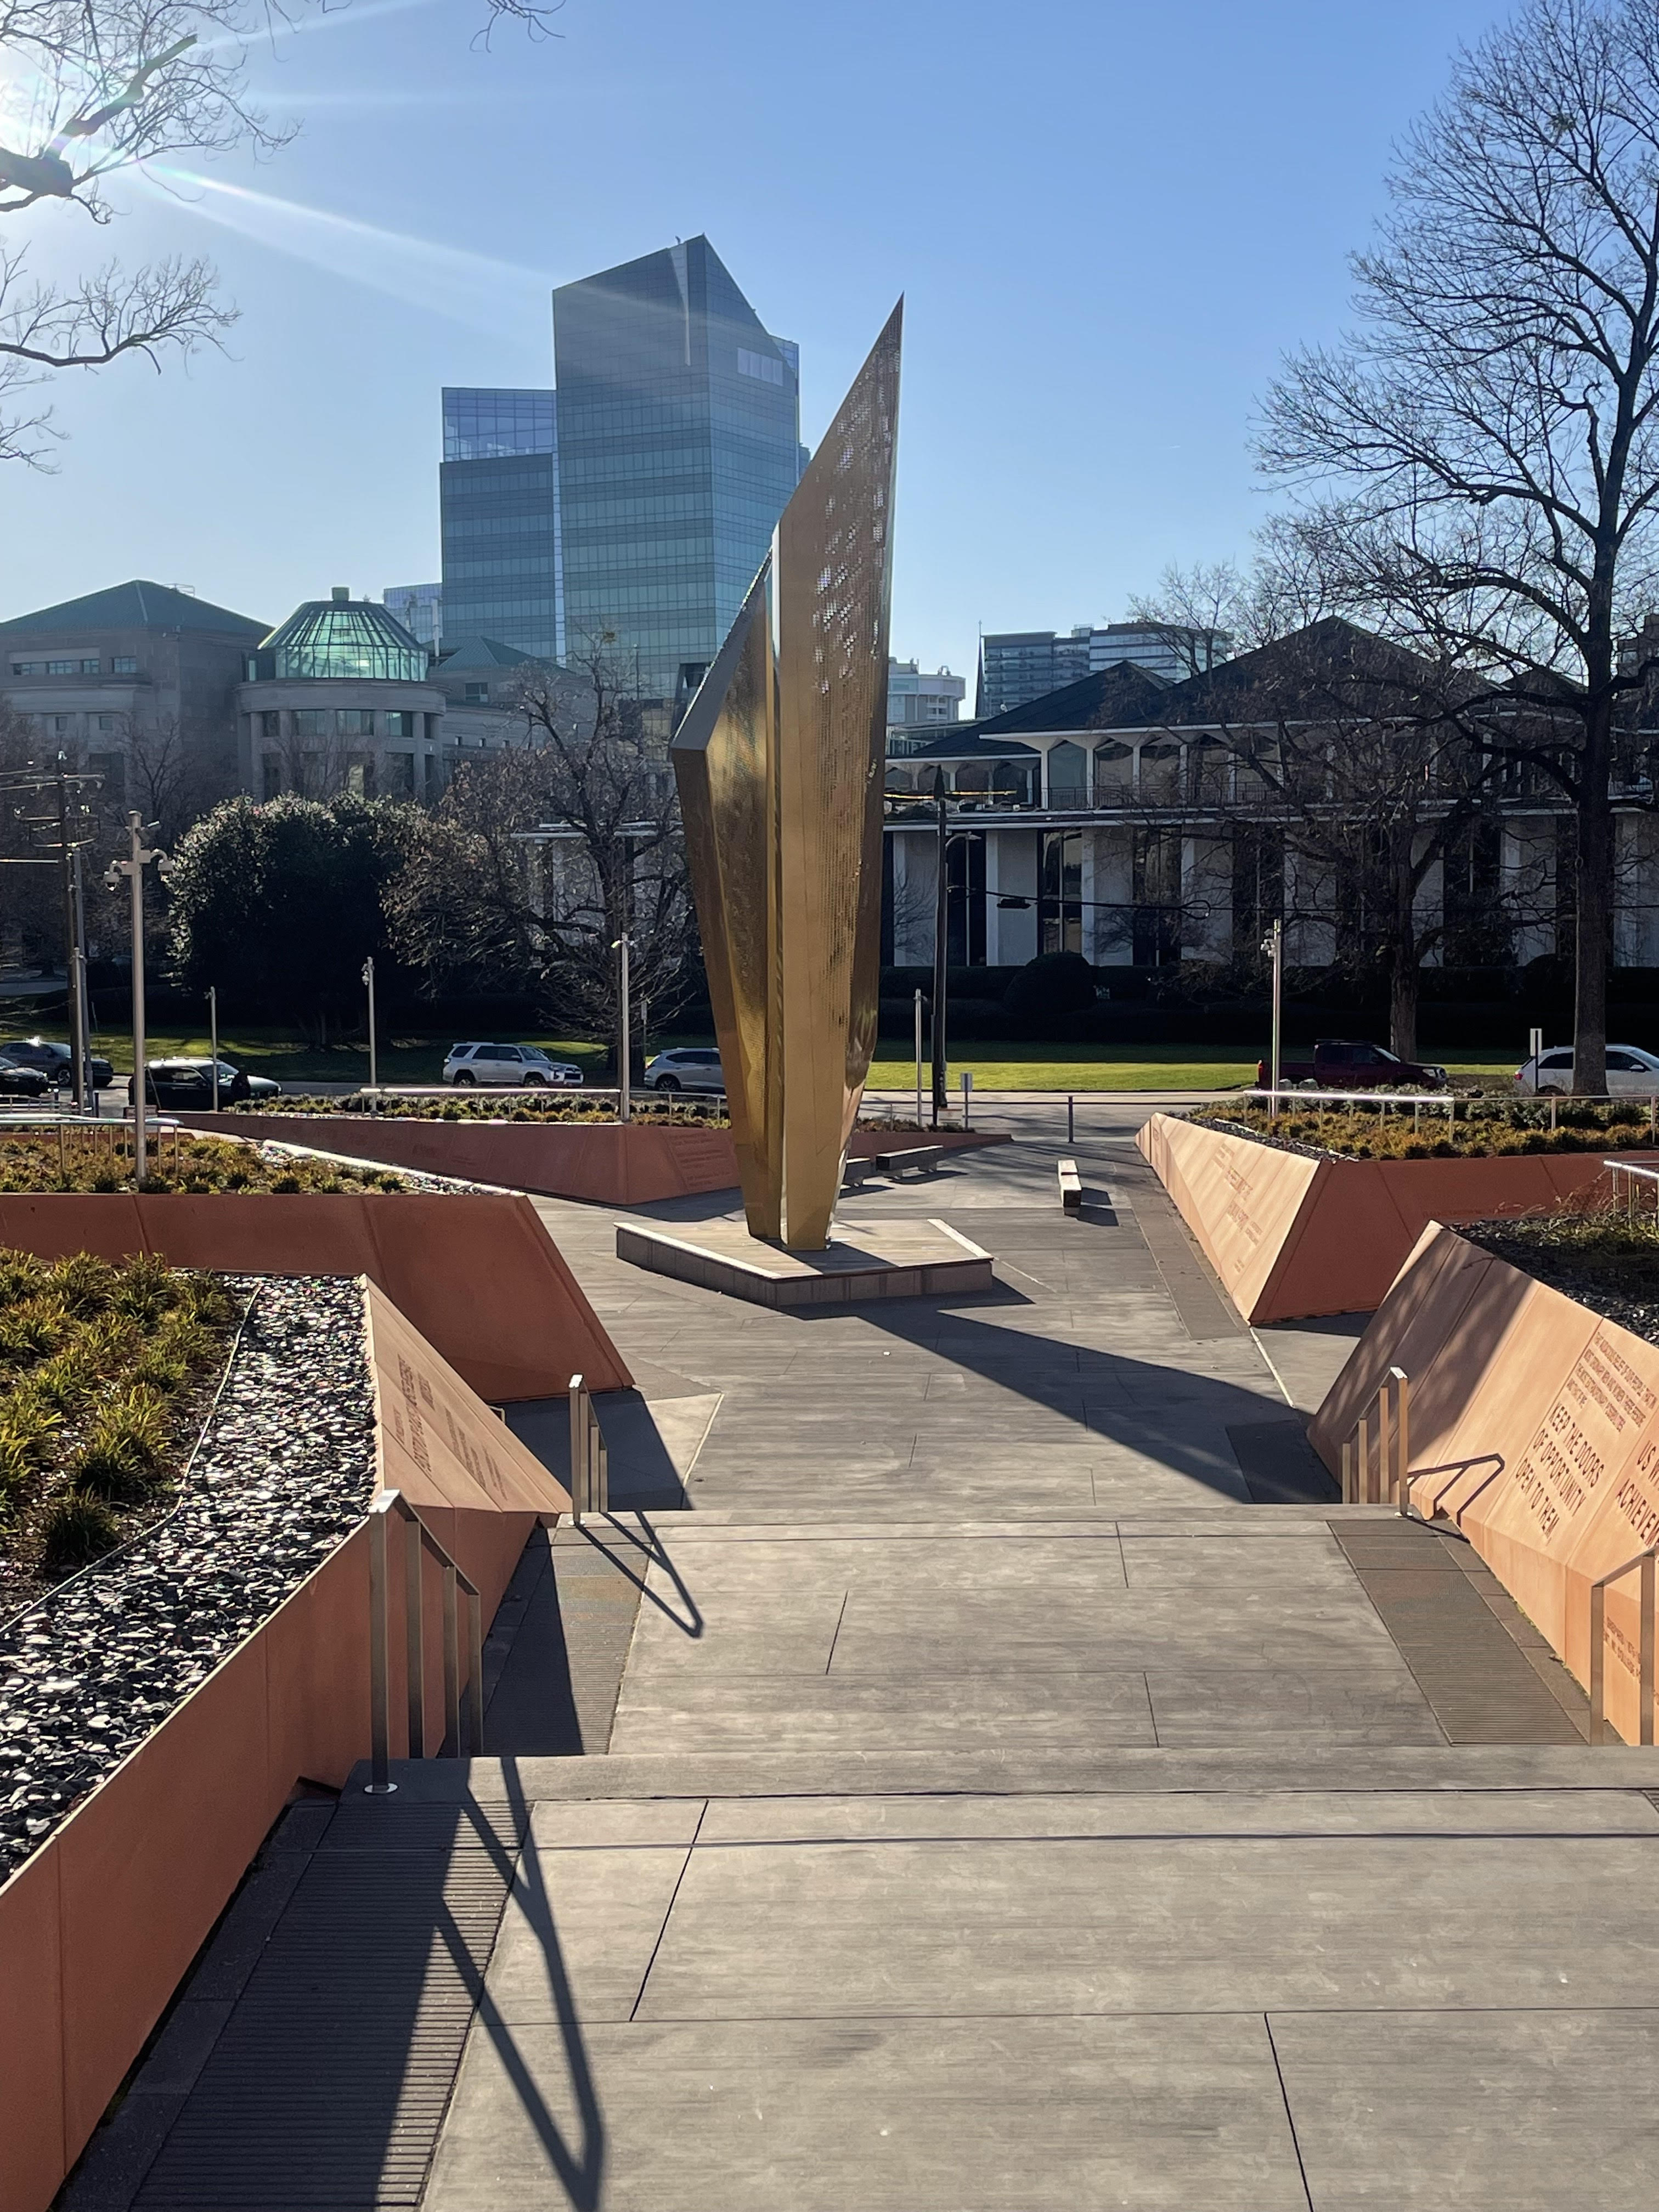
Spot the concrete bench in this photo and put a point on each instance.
(856, 1173)
(1071, 1186)
(924, 1158)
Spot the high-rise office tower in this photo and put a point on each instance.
(498, 505)
(679, 445)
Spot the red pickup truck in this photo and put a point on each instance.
(1338, 1065)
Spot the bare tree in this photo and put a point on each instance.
(1477, 467)
(100, 86)
(1281, 592)
(1346, 764)
(542, 854)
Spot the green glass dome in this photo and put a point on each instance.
(342, 637)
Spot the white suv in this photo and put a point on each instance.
(469, 1064)
(689, 1068)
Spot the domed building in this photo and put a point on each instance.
(338, 698)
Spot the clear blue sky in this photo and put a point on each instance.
(1108, 220)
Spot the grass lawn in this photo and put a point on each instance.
(286, 1056)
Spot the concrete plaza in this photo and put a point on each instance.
(1014, 1782)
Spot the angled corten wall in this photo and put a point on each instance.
(99, 1927)
(1534, 1430)
(1292, 1238)
(780, 764)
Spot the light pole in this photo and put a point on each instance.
(133, 869)
(374, 1064)
(918, 1059)
(941, 939)
(213, 1033)
(1273, 945)
(625, 1085)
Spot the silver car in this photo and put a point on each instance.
(687, 1067)
(511, 1064)
(1632, 1072)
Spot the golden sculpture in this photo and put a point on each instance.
(780, 766)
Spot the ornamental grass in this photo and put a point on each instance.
(1428, 1129)
(98, 1157)
(104, 1366)
(501, 1106)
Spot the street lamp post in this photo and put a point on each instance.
(941, 946)
(374, 1063)
(213, 1035)
(138, 855)
(1273, 945)
(625, 1084)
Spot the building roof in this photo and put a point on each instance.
(1332, 670)
(481, 653)
(1124, 692)
(138, 606)
(964, 741)
(343, 637)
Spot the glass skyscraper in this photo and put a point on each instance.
(679, 447)
(499, 506)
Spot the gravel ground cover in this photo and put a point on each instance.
(1599, 1257)
(97, 1156)
(89, 1671)
(1482, 1129)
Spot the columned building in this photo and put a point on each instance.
(1127, 819)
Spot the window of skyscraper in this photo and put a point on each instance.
(489, 425)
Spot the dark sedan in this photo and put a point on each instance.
(17, 1081)
(189, 1083)
(54, 1062)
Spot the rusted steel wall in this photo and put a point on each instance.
(1533, 1430)
(100, 1926)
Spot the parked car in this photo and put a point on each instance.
(189, 1083)
(468, 1064)
(17, 1081)
(1632, 1072)
(1339, 1064)
(55, 1063)
(687, 1067)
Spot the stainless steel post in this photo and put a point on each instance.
(213, 1033)
(452, 1660)
(1402, 1428)
(1650, 1634)
(1347, 1472)
(918, 1059)
(413, 1640)
(578, 1449)
(379, 1784)
(1365, 1446)
(475, 1669)
(1598, 1621)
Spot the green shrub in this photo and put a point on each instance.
(122, 1447)
(75, 1529)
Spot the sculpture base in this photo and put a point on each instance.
(880, 1259)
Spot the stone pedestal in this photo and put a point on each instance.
(895, 1258)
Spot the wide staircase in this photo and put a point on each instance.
(1017, 1782)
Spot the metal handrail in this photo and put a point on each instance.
(1638, 1174)
(589, 1462)
(418, 1538)
(1450, 1099)
(1648, 1633)
(1393, 1468)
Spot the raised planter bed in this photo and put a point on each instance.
(605, 1163)
(1292, 1236)
(476, 1274)
(1533, 1430)
(227, 1656)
